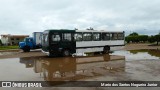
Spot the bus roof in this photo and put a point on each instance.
(83, 30)
(97, 31)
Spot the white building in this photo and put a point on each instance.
(9, 39)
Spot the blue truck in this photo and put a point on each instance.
(31, 42)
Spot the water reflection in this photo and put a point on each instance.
(152, 52)
(28, 62)
(75, 68)
(139, 54)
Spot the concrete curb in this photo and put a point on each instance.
(10, 50)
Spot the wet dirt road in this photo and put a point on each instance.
(134, 65)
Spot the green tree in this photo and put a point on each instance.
(135, 37)
(132, 39)
(151, 39)
(157, 38)
(127, 39)
(143, 38)
(133, 34)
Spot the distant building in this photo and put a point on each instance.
(12, 39)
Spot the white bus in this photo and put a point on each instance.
(66, 42)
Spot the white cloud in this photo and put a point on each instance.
(26, 16)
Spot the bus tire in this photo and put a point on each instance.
(66, 52)
(51, 54)
(106, 50)
(26, 49)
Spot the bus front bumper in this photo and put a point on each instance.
(47, 53)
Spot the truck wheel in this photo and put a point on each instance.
(26, 49)
(106, 50)
(66, 52)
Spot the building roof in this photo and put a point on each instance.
(9, 35)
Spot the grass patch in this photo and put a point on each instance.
(8, 47)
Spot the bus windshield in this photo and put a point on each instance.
(45, 39)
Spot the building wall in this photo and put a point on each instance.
(12, 39)
(4, 40)
(15, 40)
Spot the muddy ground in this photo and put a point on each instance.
(140, 46)
(20, 53)
(136, 62)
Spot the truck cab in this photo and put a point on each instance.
(27, 44)
(31, 42)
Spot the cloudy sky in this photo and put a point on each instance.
(27, 16)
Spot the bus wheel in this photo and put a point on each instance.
(106, 50)
(66, 52)
(51, 54)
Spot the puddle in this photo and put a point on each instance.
(111, 67)
(60, 68)
(8, 53)
(74, 68)
(139, 54)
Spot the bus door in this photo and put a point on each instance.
(68, 42)
(55, 40)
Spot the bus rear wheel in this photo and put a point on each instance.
(66, 52)
(106, 50)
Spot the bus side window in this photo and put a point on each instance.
(115, 36)
(96, 36)
(105, 36)
(66, 36)
(78, 36)
(87, 36)
(55, 37)
(111, 36)
(120, 36)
